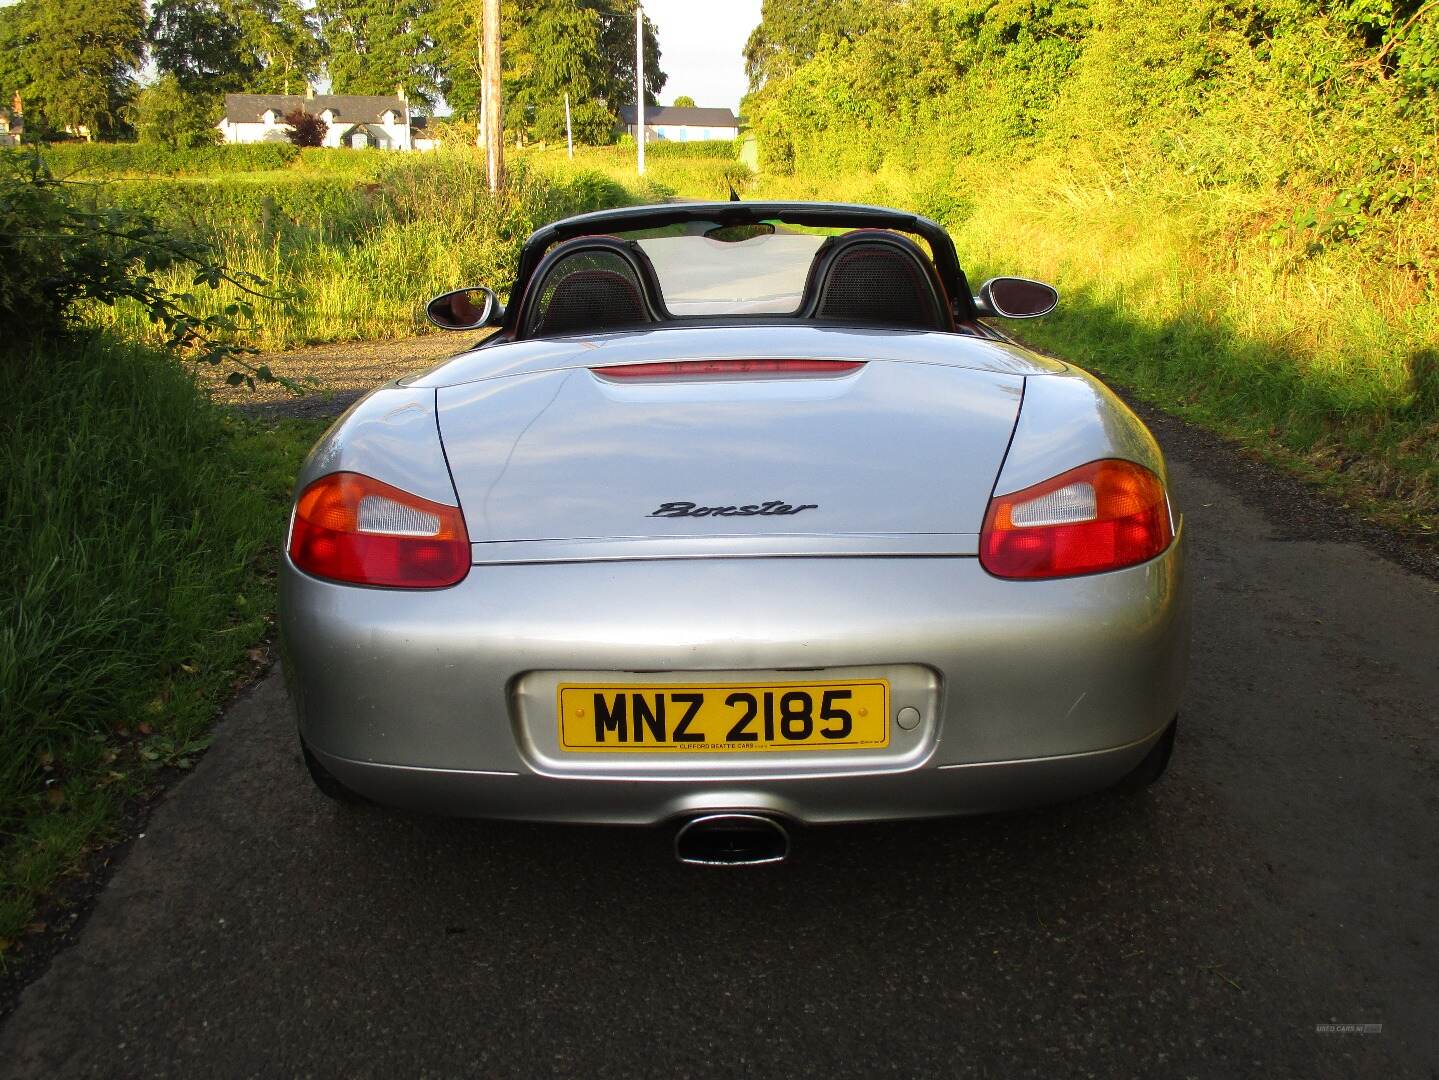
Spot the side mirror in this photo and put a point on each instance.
(464, 309)
(1016, 298)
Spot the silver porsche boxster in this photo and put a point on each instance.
(744, 516)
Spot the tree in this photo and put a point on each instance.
(13, 77)
(585, 48)
(791, 33)
(617, 45)
(376, 46)
(286, 39)
(76, 62)
(306, 129)
(223, 46)
(684, 101)
(201, 46)
(166, 114)
(554, 52)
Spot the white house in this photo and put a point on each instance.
(352, 120)
(672, 123)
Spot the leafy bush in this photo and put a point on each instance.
(57, 252)
(339, 161)
(306, 129)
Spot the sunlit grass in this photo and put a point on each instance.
(139, 529)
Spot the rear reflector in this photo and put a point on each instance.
(698, 369)
(1101, 516)
(353, 528)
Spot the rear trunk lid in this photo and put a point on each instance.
(891, 457)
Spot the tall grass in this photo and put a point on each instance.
(354, 243)
(135, 522)
(355, 256)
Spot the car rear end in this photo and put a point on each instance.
(852, 576)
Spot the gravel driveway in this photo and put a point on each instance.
(341, 373)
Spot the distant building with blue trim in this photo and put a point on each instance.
(673, 123)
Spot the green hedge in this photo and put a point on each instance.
(120, 159)
(726, 149)
(624, 152)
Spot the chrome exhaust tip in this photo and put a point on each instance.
(731, 840)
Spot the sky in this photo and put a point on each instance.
(702, 48)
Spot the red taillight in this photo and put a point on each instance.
(349, 527)
(1101, 516)
(695, 369)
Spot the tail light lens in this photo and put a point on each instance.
(349, 527)
(1101, 516)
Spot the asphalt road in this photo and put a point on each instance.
(1282, 877)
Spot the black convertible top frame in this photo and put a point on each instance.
(816, 215)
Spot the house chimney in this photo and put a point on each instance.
(309, 92)
(400, 92)
(15, 104)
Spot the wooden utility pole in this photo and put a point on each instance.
(494, 135)
(640, 83)
(480, 71)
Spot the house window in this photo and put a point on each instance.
(684, 134)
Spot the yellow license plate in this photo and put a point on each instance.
(724, 717)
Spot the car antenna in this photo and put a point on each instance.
(733, 194)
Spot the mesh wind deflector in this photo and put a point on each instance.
(879, 282)
(588, 291)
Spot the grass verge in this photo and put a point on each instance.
(140, 526)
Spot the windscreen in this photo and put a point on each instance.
(719, 274)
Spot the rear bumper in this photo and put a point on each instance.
(1041, 691)
(926, 792)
